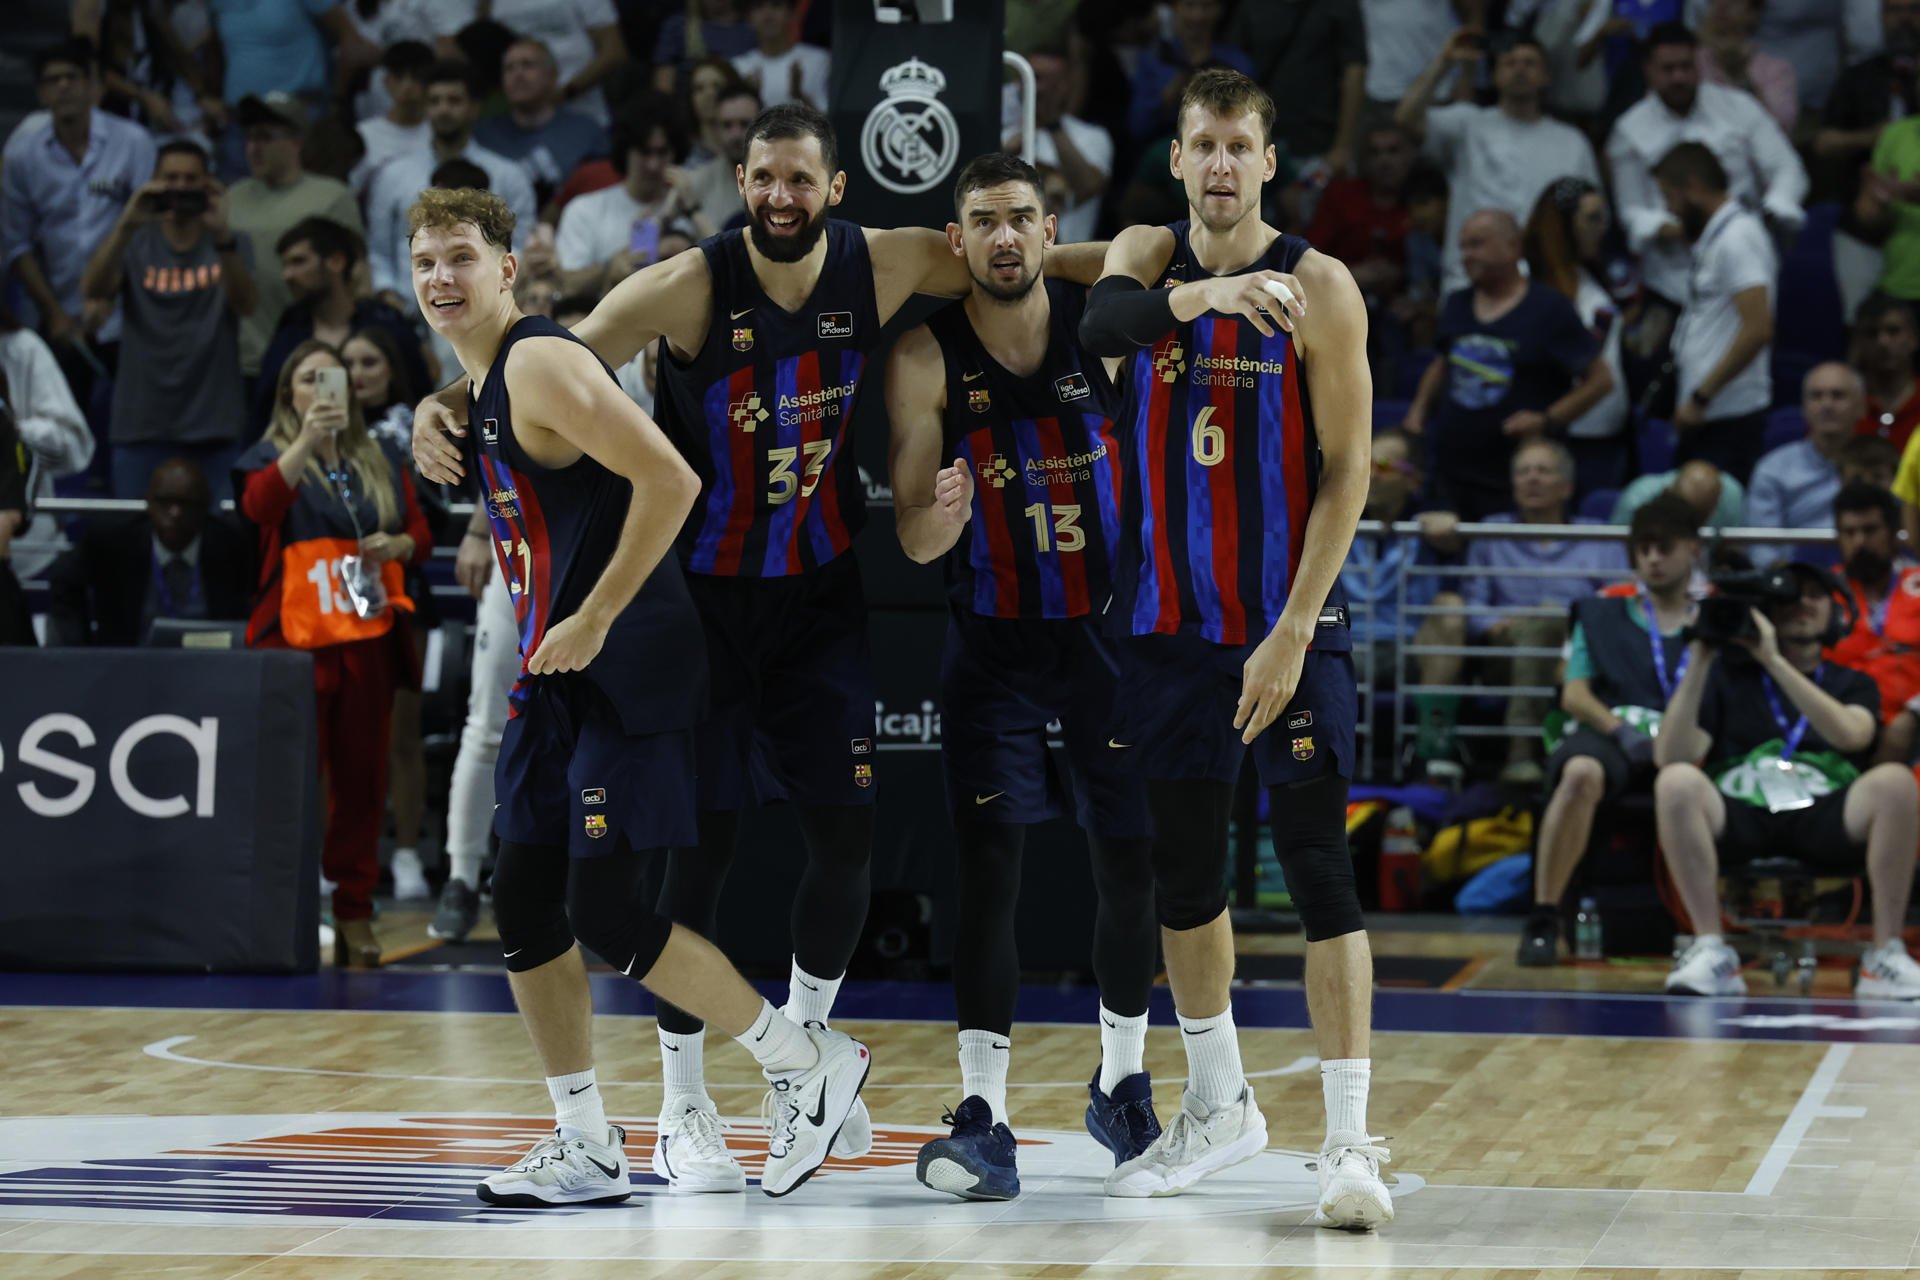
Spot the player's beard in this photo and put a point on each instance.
(1001, 292)
(787, 248)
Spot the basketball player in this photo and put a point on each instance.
(767, 333)
(596, 765)
(1249, 429)
(999, 384)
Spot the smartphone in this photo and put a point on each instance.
(330, 383)
(645, 240)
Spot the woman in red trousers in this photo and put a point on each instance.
(337, 520)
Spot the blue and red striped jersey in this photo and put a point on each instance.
(553, 533)
(1218, 426)
(1046, 470)
(762, 410)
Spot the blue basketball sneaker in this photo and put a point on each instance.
(975, 1161)
(1123, 1123)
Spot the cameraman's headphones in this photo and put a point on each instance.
(1837, 628)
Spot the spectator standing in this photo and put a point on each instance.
(279, 193)
(403, 127)
(1717, 500)
(583, 36)
(1161, 74)
(550, 141)
(710, 77)
(1510, 350)
(1074, 156)
(1563, 243)
(781, 69)
(67, 175)
(1362, 221)
(1808, 35)
(318, 258)
(1722, 343)
(1729, 57)
(178, 559)
(1311, 58)
(1498, 157)
(1885, 341)
(720, 28)
(283, 48)
(318, 489)
(180, 273)
(1759, 162)
(711, 188)
(43, 419)
(1793, 486)
(452, 107)
(1401, 37)
(607, 235)
(1874, 92)
(1542, 485)
(145, 69)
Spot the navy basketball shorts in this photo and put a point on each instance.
(791, 705)
(1175, 705)
(570, 774)
(1003, 682)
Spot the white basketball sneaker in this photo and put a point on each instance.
(1352, 1196)
(856, 1135)
(1887, 972)
(574, 1171)
(691, 1152)
(805, 1110)
(1708, 967)
(1195, 1143)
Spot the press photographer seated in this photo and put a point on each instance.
(1624, 659)
(1784, 735)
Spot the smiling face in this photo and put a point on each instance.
(1223, 161)
(1005, 233)
(788, 191)
(460, 281)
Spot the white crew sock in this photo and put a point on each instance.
(1344, 1081)
(778, 1044)
(578, 1111)
(810, 999)
(683, 1067)
(464, 865)
(1709, 937)
(1214, 1074)
(983, 1070)
(1123, 1047)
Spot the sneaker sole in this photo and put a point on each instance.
(1732, 987)
(1355, 1211)
(528, 1200)
(1239, 1151)
(827, 1150)
(689, 1185)
(943, 1173)
(449, 937)
(844, 1147)
(1875, 989)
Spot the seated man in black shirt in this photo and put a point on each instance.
(1784, 736)
(1624, 658)
(175, 561)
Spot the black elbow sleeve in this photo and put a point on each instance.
(1124, 315)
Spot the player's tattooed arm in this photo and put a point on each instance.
(1332, 347)
(931, 502)
(673, 299)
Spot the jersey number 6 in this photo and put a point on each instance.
(1209, 441)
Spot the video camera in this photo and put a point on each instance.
(1726, 615)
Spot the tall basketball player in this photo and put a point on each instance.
(767, 333)
(999, 384)
(1251, 444)
(596, 765)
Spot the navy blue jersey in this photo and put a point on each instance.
(762, 409)
(554, 531)
(1046, 466)
(1218, 426)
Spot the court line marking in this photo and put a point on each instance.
(166, 1051)
(1811, 1106)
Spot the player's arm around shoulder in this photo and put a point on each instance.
(1118, 313)
(910, 260)
(673, 298)
(1139, 253)
(930, 502)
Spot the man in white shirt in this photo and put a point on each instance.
(1722, 344)
(1760, 163)
(607, 235)
(1401, 36)
(452, 107)
(1074, 156)
(1498, 157)
(782, 69)
(403, 128)
(713, 188)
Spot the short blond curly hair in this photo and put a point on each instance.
(445, 208)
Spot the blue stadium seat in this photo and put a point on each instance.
(1598, 505)
(1656, 444)
(1809, 323)
(1785, 425)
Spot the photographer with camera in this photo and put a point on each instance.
(1782, 736)
(181, 277)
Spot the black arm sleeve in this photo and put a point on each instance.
(1124, 315)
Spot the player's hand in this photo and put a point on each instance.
(382, 547)
(1267, 682)
(1246, 295)
(1688, 415)
(953, 495)
(472, 564)
(435, 455)
(216, 215)
(569, 646)
(325, 419)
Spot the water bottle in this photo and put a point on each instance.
(1586, 931)
(1400, 862)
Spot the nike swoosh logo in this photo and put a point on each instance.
(1202, 1031)
(511, 954)
(1118, 746)
(582, 1089)
(735, 315)
(671, 1048)
(1114, 1025)
(819, 1117)
(1000, 1047)
(628, 971)
(985, 799)
(611, 1170)
(973, 377)
(808, 985)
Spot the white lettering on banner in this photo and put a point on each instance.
(202, 735)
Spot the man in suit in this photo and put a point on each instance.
(172, 562)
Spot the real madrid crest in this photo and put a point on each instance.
(910, 140)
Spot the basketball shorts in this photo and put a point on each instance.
(1004, 682)
(1175, 705)
(568, 774)
(791, 670)
(1816, 835)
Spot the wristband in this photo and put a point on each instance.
(1700, 398)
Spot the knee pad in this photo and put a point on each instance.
(1189, 851)
(609, 914)
(1310, 839)
(530, 904)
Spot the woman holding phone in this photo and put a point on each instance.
(337, 518)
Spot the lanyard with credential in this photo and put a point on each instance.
(1791, 742)
(1660, 651)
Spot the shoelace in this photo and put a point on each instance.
(1180, 1136)
(779, 1111)
(548, 1148)
(1377, 1154)
(701, 1129)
